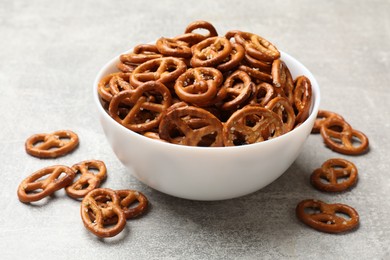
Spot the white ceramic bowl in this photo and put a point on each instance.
(207, 173)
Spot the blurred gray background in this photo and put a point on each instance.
(50, 52)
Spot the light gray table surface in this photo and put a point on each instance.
(50, 52)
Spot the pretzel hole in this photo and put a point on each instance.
(189, 81)
(324, 180)
(176, 133)
(201, 31)
(284, 115)
(81, 186)
(336, 140)
(122, 112)
(238, 83)
(64, 138)
(343, 215)
(153, 97)
(312, 210)
(91, 216)
(207, 140)
(94, 170)
(342, 179)
(144, 116)
(268, 133)
(62, 175)
(36, 191)
(296, 110)
(336, 128)
(38, 143)
(110, 222)
(77, 176)
(252, 120)
(132, 205)
(261, 94)
(84, 186)
(355, 141)
(239, 138)
(170, 68)
(42, 178)
(300, 96)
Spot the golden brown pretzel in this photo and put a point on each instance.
(234, 58)
(285, 111)
(324, 216)
(230, 35)
(120, 83)
(34, 188)
(162, 70)
(133, 203)
(239, 87)
(88, 179)
(202, 25)
(332, 171)
(104, 87)
(147, 104)
(113, 83)
(302, 94)
(190, 38)
(251, 124)
(95, 214)
(261, 65)
(257, 46)
(210, 52)
(198, 85)
(52, 145)
(173, 47)
(323, 115)
(262, 94)
(126, 68)
(140, 54)
(282, 80)
(343, 141)
(256, 74)
(189, 125)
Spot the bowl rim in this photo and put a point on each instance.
(313, 112)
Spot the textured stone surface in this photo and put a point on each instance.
(50, 52)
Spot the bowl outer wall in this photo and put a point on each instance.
(207, 173)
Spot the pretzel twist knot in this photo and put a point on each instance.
(88, 180)
(252, 124)
(132, 202)
(35, 187)
(344, 139)
(189, 125)
(198, 86)
(147, 104)
(326, 217)
(334, 170)
(52, 145)
(95, 214)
